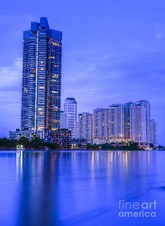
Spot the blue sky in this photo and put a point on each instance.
(113, 52)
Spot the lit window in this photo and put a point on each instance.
(55, 76)
(25, 90)
(40, 128)
(41, 87)
(55, 43)
(51, 57)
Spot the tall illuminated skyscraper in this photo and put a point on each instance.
(41, 84)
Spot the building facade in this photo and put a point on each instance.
(100, 123)
(127, 120)
(153, 132)
(62, 120)
(85, 126)
(138, 123)
(18, 133)
(70, 109)
(146, 105)
(41, 83)
(116, 122)
(62, 138)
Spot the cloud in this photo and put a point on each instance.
(10, 96)
(10, 76)
(160, 34)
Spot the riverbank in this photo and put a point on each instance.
(40, 144)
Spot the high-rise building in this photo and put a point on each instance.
(153, 132)
(116, 116)
(100, 124)
(62, 138)
(85, 126)
(70, 109)
(138, 131)
(62, 120)
(140, 121)
(41, 84)
(146, 104)
(127, 122)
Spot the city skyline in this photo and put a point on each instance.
(124, 122)
(104, 64)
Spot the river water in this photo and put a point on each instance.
(116, 188)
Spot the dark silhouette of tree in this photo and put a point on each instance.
(23, 141)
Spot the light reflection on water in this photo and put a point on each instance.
(79, 187)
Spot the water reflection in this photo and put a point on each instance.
(38, 174)
(77, 187)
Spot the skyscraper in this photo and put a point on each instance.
(127, 122)
(116, 131)
(153, 132)
(146, 104)
(138, 128)
(85, 126)
(70, 109)
(62, 120)
(140, 121)
(41, 84)
(101, 124)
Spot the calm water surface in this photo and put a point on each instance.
(80, 187)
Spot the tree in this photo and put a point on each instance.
(23, 141)
(37, 143)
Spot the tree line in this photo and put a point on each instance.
(35, 143)
(38, 143)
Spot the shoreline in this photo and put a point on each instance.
(72, 150)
